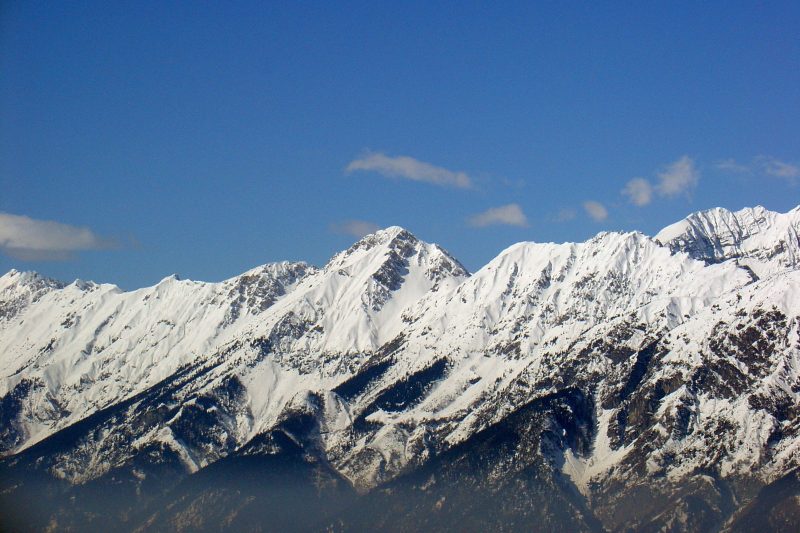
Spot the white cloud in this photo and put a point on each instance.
(409, 168)
(731, 165)
(764, 164)
(39, 240)
(355, 228)
(565, 215)
(596, 210)
(679, 177)
(780, 169)
(639, 191)
(509, 215)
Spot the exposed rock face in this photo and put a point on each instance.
(624, 383)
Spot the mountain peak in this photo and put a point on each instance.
(387, 236)
(720, 219)
(768, 239)
(392, 231)
(19, 289)
(29, 277)
(388, 239)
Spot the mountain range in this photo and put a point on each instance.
(625, 383)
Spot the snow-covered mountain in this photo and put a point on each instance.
(622, 383)
(766, 241)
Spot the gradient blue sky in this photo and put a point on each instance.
(207, 138)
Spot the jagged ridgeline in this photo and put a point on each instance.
(626, 383)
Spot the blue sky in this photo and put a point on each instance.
(140, 139)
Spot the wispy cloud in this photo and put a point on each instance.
(639, 191)
(780, 169)
(30, 239)
(678, 178)
(406, 167)
(731, 165)
(354, 228)
(508, 215)
(763, 165)
(596, 210)
(565, 215)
